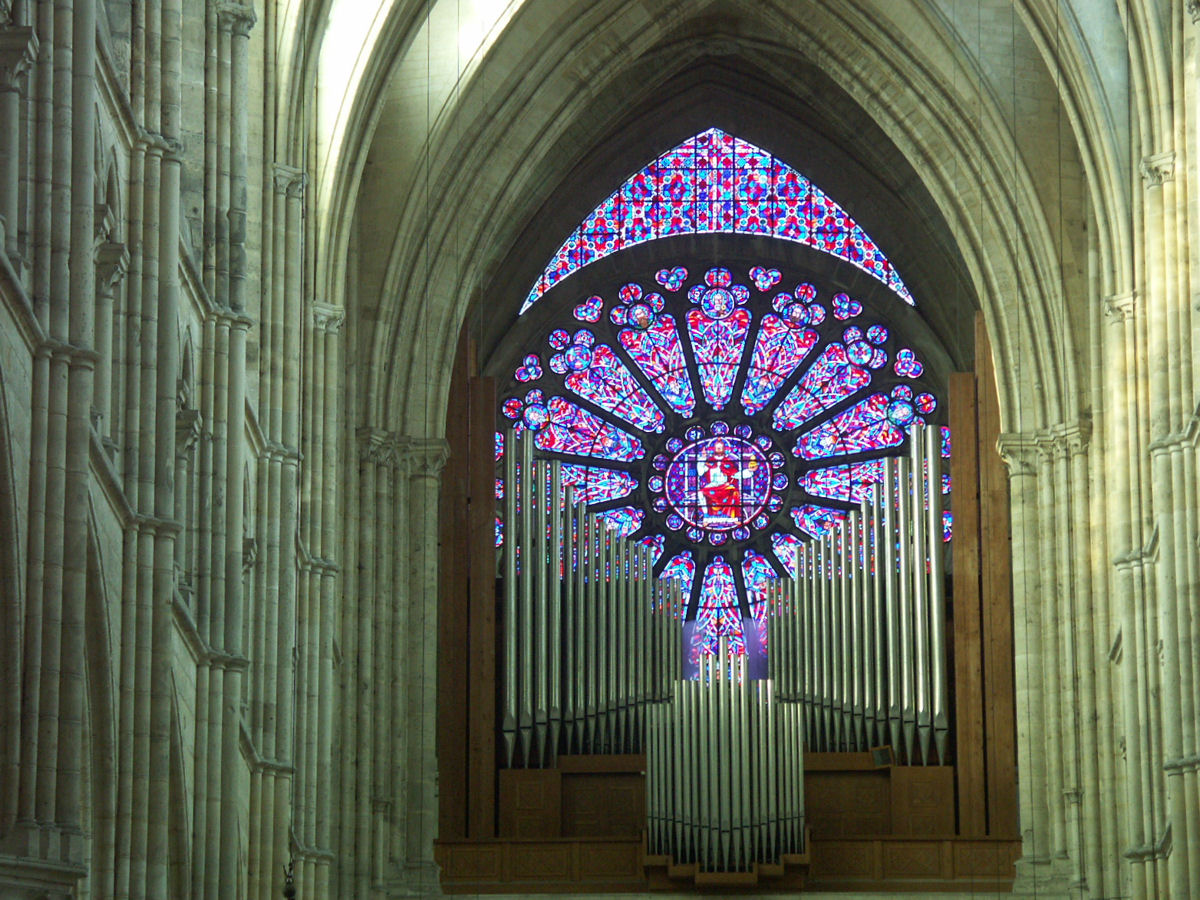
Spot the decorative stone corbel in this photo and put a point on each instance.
(1193, 10)
(1139, 557)
(249, 553)
(381, 447)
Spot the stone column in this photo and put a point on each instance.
(289, 317)
(329, 322)
(1082, 605)
(1020, 455)
(425, 458)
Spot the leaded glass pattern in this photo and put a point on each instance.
(722, 417)
(715, 182)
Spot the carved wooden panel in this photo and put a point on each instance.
(540, 862)
(472, 862)
(848, 803)
(923, 800)
(530, 803)
(609, 861)
(838, 858)
(912, 859)
(603, 804)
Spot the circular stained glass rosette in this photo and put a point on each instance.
(721, 418)
(719, 486)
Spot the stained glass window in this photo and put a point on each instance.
(721, 416)
(715, 182)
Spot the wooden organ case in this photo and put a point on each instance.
(871, 754)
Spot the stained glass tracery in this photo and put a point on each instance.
(721, 417)
(715, 182)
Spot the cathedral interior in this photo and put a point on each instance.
(514, 447)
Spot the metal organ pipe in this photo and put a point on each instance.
(524, 544)
(937, 596)
(508, 720)
(920, 592)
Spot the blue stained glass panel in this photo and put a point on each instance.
(715, 182)
(718, 346)
(655, 542)
(787, 549)
(756, 572)
(596, 485)
(815, 520)
(714, 623)
(850, 482)
(864, 426)
(681, 567)
(657, 351)
(572, 429)
(778, 350)
(828, 381)
(717, 614)
(607, 383)
(624, 521)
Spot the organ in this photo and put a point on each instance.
(624, 756)
(597, 659)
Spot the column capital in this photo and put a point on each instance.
(328, 318)
(426, 456)
(1139, 557)
(1158, 168)
(18, 50)
(290, 180)
(1120, 307)
(380, 447)
(1193, 10)
(187, 430)
(1019, 452)
(239, 18)
(112, 262)
(1065, 439)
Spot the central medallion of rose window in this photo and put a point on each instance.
(718, 483)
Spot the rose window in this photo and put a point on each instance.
(722, 419)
